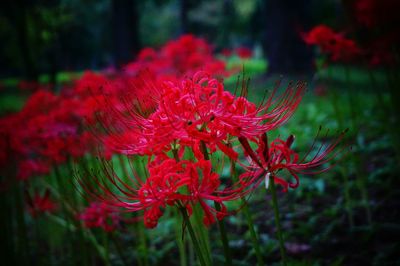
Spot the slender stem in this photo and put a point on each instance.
(361, 177)
(181, 242)
(339, 119)
(221, 224)
(253, 233)
(277, 220)
(224, 238)
(143, 245)
(335, 103)
(249, 219)
(347, 198)
(193, 237)
(202, 235)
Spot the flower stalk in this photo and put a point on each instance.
(195, 241)
(249, 219)
(277, 220)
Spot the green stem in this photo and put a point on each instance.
(144, 245)
(202, 235)
(335, 103)
(221, 224)
(249, 219)
(361, 177)
(347, 198)
(193, 237)
(339, 119)
(277, 220)
(253, 233)
(181, 242)
(224, 238)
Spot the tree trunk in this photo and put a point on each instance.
(282, 44)
(125, 30)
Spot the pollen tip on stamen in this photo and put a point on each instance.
(290, 140)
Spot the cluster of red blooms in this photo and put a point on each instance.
(54, 128)
(166, 107)
(335, 44)
(379, 18)
(197, 116)
(99, 215)
(39, 204)
(178, 58)
(46, 132)
(242, 52)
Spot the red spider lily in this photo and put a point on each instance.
(40, 204)
(338, 47)
(244, 52)
(48, 130)
(100, 215)
(178, 58)
(199, 109)
(170, 183)
(269, 159)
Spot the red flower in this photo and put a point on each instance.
(269, 159)
(338, 47)
(178, 58)
(100, 215)
(244, 52)
(170, 183)
(199, 109)
(40, 204)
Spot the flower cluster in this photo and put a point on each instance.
(196, 116)
(39, 204)
(53, 128)
(335, 44)
(269, 159)
(178, 58)
(100, 215)
(199, 109)
(45, 132)
(170, 107)
(242, 52)
(378, 48)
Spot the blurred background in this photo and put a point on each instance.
(48, 37)
(348, 216)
